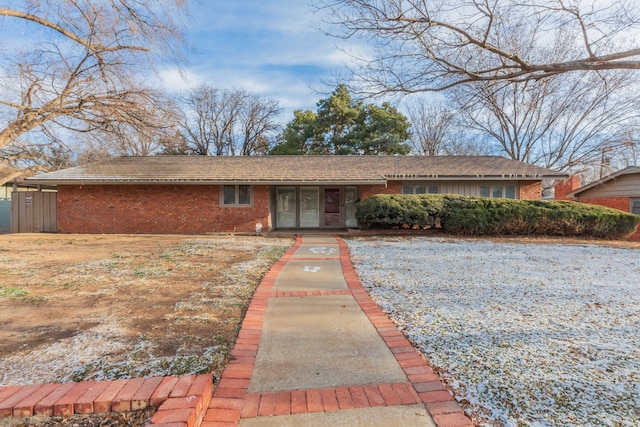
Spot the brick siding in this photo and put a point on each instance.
(530, 190)
(182, 209)
(620, 203)
(155, 209)
(564, 187)
(392, 187)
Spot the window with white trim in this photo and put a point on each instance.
(236, 195)
(635, 206)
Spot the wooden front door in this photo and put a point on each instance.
(332, 217)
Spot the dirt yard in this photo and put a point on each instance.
(77, 307)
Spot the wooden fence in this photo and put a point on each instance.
(34, 212)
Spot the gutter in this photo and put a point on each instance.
(207, 182)
(436, 177)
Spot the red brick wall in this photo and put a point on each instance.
(563, 187)
(392, 187)
(155, 209)
(530, 190)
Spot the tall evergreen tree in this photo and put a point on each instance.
(345, 126)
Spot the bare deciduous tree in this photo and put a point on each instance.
(24, 159)
(209, 117)
(432, 45)
(219, 122)
(430, 124)
(124, 139)
(562, 123)
(257, 123)
(82, 66)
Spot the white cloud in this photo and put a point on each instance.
(253, 85)
(271, 49)
(175, 80)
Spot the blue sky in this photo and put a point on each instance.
(269, 48)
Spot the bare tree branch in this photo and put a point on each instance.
(562, 123)
(434, 45)
(84, 42)
(430, 125)
(82, 68)
(227, 122)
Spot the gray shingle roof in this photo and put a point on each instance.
(295, 169)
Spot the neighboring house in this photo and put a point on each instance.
(200, 194)
(620, 190)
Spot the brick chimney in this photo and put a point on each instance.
(563, 187)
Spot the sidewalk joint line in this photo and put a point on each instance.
(232, 402)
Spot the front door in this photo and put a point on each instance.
(332, 207)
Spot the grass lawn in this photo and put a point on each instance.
(80, 307)
(523, 332)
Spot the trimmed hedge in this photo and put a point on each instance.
(479, 216)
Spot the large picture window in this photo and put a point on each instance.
(420, 189)
(236, 195)
(497, 191)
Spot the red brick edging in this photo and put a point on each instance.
(187, 401)
(179, 400)
(444, 409)
(231, 400)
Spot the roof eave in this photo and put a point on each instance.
(626, 171)
(133, 181)
(475, 177)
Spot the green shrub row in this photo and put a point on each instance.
(480, 216)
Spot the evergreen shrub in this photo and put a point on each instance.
(486, 216)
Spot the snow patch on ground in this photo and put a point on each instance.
(53, 362)
(528, 334)
(108, 351)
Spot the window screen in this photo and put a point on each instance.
(229, 194)
(244, 194)
(510, 192)
(236, 195)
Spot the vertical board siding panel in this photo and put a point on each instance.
(28, 209)
(14, 213)
(41, 215)
(51, 213)
(37, 205)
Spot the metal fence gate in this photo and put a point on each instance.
(34, 212)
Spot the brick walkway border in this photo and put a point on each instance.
(179, 400)
(190, 401)
(231, 401)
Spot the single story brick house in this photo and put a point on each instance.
(200, 194)
(620, 190)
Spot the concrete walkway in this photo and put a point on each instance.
(315, 350)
